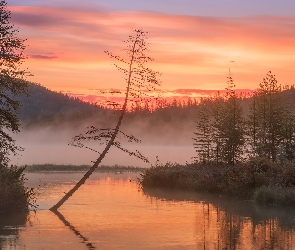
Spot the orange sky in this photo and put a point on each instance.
(65, 48)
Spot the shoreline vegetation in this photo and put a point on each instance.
(241, 151)
(15, 197)
(40, 168)
(259, 179)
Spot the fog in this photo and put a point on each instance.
(49, 145)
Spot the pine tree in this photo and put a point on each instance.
(270, 122)
(203, 135)
(217, 110)
(266, 119)
(231, 128)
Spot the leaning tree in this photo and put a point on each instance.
(138, 78)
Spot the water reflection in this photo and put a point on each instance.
(223, 223)
(10, 226)
(88, 244)
(111, 212)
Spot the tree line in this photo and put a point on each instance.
(227, 132)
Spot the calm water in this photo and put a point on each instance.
(111, 212)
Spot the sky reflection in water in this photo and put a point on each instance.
(111, 212)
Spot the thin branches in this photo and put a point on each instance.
(137, 78)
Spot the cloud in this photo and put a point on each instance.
(166, 95)
(43, 57)
(190, 51)
(189, 92)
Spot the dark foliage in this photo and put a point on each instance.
(246, 180)
(14, 197)
(11, 82)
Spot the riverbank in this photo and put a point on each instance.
(79, 168)
(15, 197)
(259, 179)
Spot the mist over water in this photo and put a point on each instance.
(49, 145)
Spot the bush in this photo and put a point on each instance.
(246, 179)
(275, 195)
(193, 177)
(14, 195)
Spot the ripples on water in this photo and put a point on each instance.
(111, 212)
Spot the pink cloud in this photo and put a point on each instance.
(43, 57)
(168, 96)
(190, 51)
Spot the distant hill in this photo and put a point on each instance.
(43, 105)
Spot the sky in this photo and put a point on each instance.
(194, 42)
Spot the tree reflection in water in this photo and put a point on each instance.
(85, 240)
(9, 227)
(223, 223)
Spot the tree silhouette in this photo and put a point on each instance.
(11, 82)
(232, 125)
(267, 118)
(220, 127)
(139, 79)
(203, 135)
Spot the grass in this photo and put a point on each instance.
(78, 168)
(259, 179)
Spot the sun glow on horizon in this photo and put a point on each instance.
(66, 53)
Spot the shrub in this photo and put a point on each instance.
(13, 195)
(267, 181)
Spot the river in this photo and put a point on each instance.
(111, 212)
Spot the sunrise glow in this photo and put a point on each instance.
(66, 48)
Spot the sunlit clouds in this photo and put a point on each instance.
(65, 48)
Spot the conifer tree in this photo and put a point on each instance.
(203, 135)
(266, 118)
(220, 128)
(217, 109)
(252, 128)
(232, 125)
